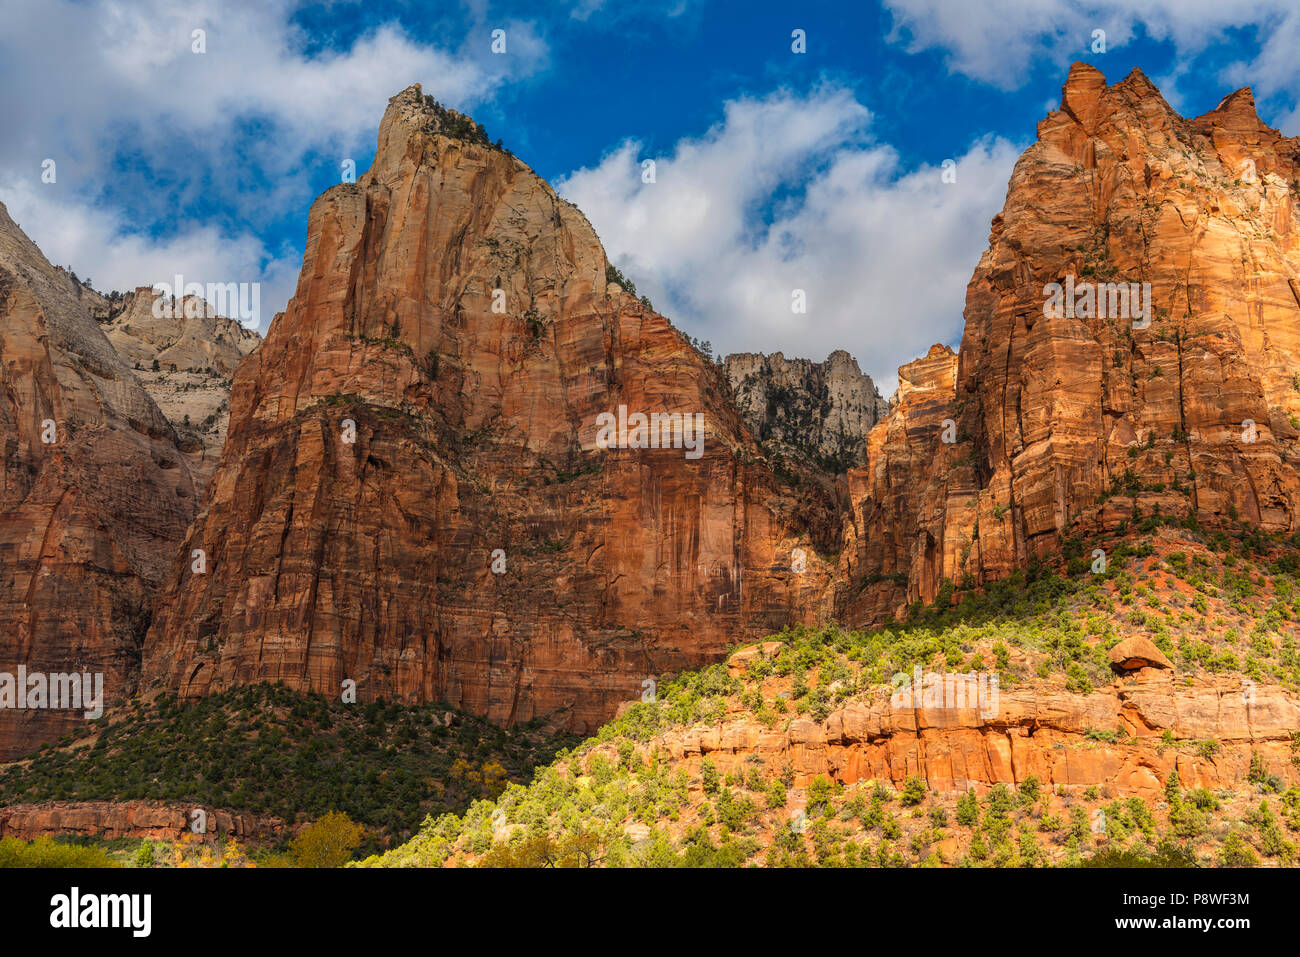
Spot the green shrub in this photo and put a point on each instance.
(48, 852)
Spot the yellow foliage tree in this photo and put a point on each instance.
(328, 842)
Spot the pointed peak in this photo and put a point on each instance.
(1082, 92)
(1243, 99)
(1081, 72)
(415, 111)
(1235, 112)
(412, 93)
(1136, 79)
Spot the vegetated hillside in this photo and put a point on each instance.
(269, 750)
(791, 754)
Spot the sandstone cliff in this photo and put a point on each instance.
(454, 310)
(95, 491)
(109, 820)
(185, 359)
(432, 395)
(1094, 419)
(803, 409)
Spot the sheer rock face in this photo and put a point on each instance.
(90, 520)
(890, 491)
(185, 358)
(798, 407)
(1085, 422)
(403, 420)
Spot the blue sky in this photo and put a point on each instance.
(776, 170)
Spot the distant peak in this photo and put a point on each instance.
(1236, 111)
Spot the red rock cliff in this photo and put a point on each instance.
(475, 430)
(90, 520)
(1076, 423)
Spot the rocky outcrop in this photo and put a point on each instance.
(185, 356)
(799, 408)
(1079, 417)
(884, 545)
(1114, 737)
(108, 820)
(95, 492)
(414, 493)
(185, 335)
(1136, 652)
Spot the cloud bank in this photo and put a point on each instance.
(789, 193)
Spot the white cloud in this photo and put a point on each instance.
(102, 248)
(884, 254)
(103, 79)
(997, 41)
(586, 9)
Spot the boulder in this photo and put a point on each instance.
(1137, 652)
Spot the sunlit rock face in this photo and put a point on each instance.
(1086, 416)
(432, 395)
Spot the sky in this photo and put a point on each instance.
(796, 145)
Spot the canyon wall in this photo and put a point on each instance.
(95, 493)
(185, 357)
(416, 494)
(412, 496)
(1068, 424)
(804, 409)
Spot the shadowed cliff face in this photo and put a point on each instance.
(811, 412)
(432, 395)
(1078, 422)
(95, 495)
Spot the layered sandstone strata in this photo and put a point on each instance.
(109, 820)
(1091, 419)
(431, 396)
(95, 492)
(1114, 737)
